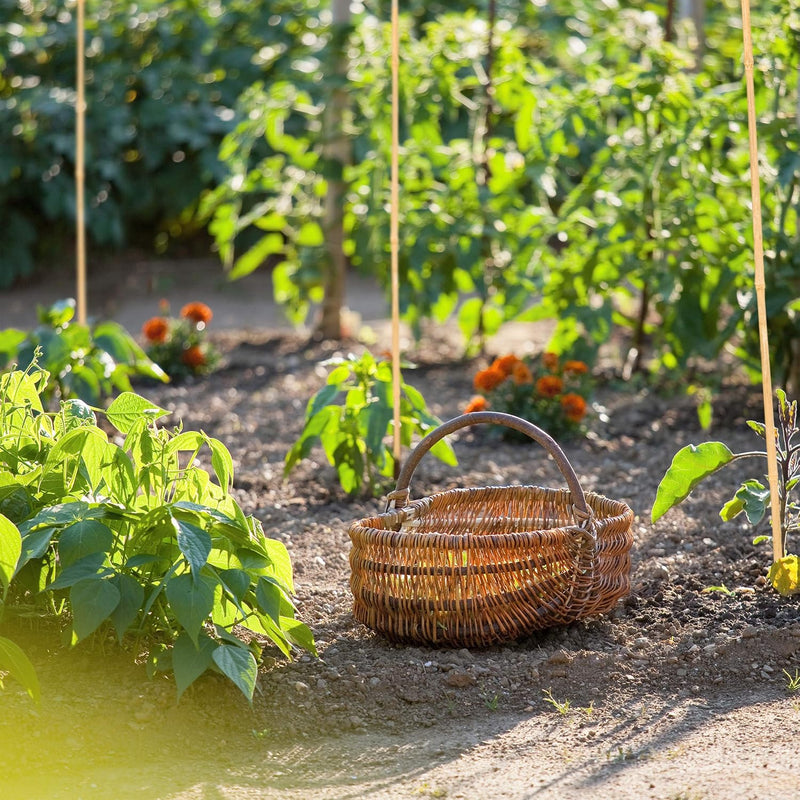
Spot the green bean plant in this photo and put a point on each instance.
(694, 463)
(354, 433)
(126, 532)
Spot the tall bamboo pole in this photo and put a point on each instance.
(80, 172)
(394, 227)
(758, 254)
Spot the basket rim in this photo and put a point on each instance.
(414, 509)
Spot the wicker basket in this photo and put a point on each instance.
(474, 567)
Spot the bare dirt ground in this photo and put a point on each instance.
(680, 693)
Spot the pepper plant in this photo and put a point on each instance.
(354, 434)
(129, 533)
(694, 463)
(83, 361)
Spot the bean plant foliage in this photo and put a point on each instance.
(354, 433)
(124, 531)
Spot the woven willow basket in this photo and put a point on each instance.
(474, 567)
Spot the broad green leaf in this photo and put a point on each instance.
(76, 413)
(752, 497)
(299, 633)
(732, 508)
(10, 551)
(239, 665)
(270, 244)
(378, 419)
(15, 502)
(443, 450)
(59, 313)
(92, 602)
(83, 382)
(19, 388)
(34, 545)
(280, 566)
(705, 411)
(310, 235)
(83, 538)
(190, 660)
(268, 595)
(10, 340)
(128, 408)
(118, 475)
(784, 575)
(191, 601)
(222, 462)
(758, 427)
(195, 544)
(131, 597)
(87, 568)
(322, 398)
(236, 581)
(469, 316)
(58, 515)
(689, 466)
(14, 661)
(186, 441)
(141, 560)
(90, 443)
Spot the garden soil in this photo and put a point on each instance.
(681, 692)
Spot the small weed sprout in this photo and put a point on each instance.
(792, 681)
(492, 703)
(562, 706)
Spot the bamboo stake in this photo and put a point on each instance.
(80, 172)
(394, 237)
(758, 253)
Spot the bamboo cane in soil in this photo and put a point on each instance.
(80, 172)
(758, 256)
(394, 238)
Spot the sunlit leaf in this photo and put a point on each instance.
(689, 466)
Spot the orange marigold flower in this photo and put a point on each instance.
(197, 312)
(505, 364)
(155, 329)
(478, 403)
(574, 407)
(521, 374)
(549, 386)
(550, 360)
(193, 357)
(578, 367)
(488, 379)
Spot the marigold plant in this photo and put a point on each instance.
(179, 345)
(545, 390)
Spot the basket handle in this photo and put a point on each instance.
(400, 495)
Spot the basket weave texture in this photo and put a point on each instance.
(475, 567)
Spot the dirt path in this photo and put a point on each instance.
(680, 694)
